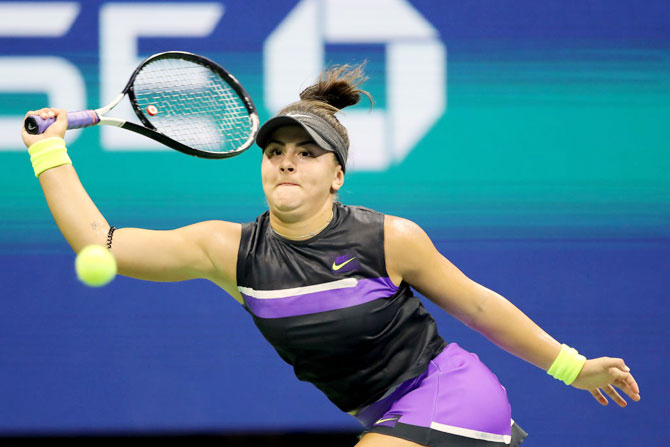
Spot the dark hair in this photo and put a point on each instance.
(336, 88)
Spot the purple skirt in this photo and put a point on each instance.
(457, 401)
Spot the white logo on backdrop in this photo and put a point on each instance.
(54, 76)
(121, 25)
(293, 53)
(415, 70)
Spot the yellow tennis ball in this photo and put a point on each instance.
(95, 266)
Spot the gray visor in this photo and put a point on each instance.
(321, 132)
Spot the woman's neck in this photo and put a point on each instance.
(302, 228)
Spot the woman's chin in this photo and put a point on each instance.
(286, 204)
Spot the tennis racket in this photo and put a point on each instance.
(184, 101)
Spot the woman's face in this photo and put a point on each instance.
(298, 176)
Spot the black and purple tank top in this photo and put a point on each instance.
(328, 307)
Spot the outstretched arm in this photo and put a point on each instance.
(203, 250)
(489, 313)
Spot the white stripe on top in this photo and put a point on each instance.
(284, 293)
(471, 433)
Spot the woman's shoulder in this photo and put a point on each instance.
(402, 229)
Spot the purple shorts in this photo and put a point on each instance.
(457, 401)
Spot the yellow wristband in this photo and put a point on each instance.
(567, 365)
(47, 154)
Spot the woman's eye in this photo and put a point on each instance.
(305, 154)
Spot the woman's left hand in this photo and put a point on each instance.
(603, 374)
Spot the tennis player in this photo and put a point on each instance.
(330, 286)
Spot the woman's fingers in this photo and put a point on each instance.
(611, 392)
(630, 382)
(622, 379)
(626, 382)
(616, 397)
(60, 126)
(57, 129)
(43, 113)
(598, 395)
(600, 377)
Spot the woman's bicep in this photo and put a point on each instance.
(412, 256)
(203, 250)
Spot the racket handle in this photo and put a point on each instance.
(36, 125)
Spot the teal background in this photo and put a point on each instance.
(530, 144)
(546, 179)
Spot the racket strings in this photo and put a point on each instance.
(193, 105)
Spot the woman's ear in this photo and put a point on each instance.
(338, 180)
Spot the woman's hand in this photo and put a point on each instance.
(57, 129)
(603, 374)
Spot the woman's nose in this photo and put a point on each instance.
(287, 163)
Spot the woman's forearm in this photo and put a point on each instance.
(76, 215)
(509, 328)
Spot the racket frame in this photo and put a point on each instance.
(150, 131)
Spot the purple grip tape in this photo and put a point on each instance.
(35, 125)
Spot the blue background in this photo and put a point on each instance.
(546, 179)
